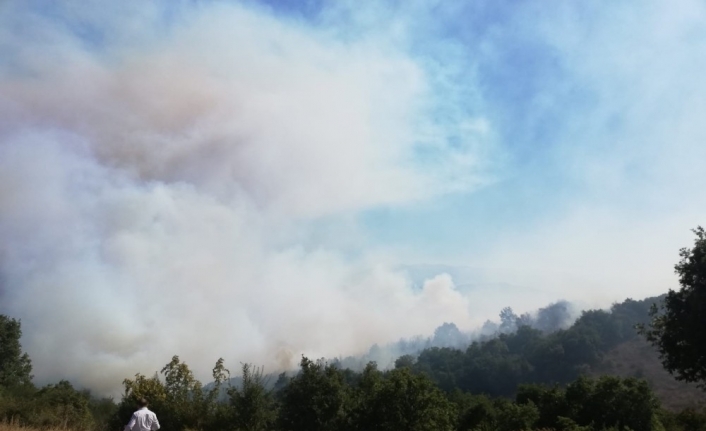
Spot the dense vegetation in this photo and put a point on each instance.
(526, 379)
(677, 328)
(56, 405)
(528, 376)
(498, 366)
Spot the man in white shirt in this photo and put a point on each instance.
(143, 419)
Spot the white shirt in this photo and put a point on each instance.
(143, 420)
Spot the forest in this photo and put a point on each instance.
(522, 379)
(350, 215)
(526, 379)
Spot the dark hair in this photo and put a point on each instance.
(142, 402)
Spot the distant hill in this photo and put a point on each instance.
(551, 346)
(599, 342)
(636, 358)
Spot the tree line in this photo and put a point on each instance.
(499, 365)
(323, 397)
(521, 380)
(57, 405)
(505, 384)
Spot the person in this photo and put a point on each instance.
(143, 419)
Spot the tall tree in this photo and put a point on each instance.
(253, 407)
(613, 402)
(64, 407)
(317, 399)
(180, 401)
(402, 401)
(508, 320)
(15, 366)
(150, 388)
(678, 327)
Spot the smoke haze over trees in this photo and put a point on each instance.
(524, 378)
(547, 319)
(269, 167)
(380, 215)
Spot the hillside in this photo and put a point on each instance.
(636, 358)
(598, 343)
(545, 347)
(594, 374)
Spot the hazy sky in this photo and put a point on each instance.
(253, 180)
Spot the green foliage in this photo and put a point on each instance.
(474, 411)
(57, 405)
(180, 401)
(61, 405)
(15, 366)
(323, 397)
(686, 420)
(443, 389)
(551, 403)
(102, 410)
(402, 400)
(513, 416)
(405, 361)
(498, 366)
(150, 388)
(677, 328)
(315, 400)
(612, 402)
(16, 404)
(584, 405)
(184, 395)
(54, 406)
(252, 405)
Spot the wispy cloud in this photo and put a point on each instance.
(617, 175)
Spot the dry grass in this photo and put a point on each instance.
(638, 359)
(4, 426)
(15, 426)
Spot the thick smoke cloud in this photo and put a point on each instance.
(160, 181)
(190, 177)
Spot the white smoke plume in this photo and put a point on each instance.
(160, 184)
(194, 177)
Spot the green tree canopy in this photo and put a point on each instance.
(252, 405)
(62, 405)
(678, 327)
(15, 366)
(402, 400)
(180, 401)
(315, 400)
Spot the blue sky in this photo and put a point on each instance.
(570, 92)
(274, 167)
(552, 119)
